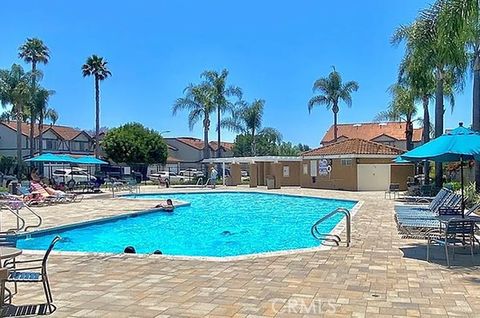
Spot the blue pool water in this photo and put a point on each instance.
(215, 224)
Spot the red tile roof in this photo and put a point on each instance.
(198, 143)
(225, 145)
(354, 146)
(67, 133)
(370, 131)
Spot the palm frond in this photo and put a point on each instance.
(318, 100)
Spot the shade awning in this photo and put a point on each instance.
(88, 160)
(49, 157)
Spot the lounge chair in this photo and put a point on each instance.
(457, 232)
(33, 271)
(425, 199)
(416, 222)
(394, 189)
(56, 197)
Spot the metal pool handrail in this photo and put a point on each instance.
(332, 237)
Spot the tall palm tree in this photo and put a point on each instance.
(401, 108)
(198, 100)
(15, 91)
(425, 39)
(332, 90)
(96, 66)
(221, 94)
(33, 51)
(460, 20)
(43, 111)
(247, 119)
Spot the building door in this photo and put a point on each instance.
(373, 177)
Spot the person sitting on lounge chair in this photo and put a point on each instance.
(169, 207)
(34, 175)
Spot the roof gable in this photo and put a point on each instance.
(64, 132)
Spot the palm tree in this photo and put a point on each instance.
(460, 20)
(402, 108)
(96, 66)
(332, 90)
(33, 51)
(221, 95)
(247, 119)
(198, 100)
(15, 91)
(52, 116)
(443, 55)
(41, 99)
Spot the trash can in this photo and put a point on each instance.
(13, 187)
(270, 182)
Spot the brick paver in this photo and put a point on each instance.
(380, 275)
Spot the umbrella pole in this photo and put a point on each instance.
(461, 177)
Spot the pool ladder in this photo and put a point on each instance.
(327, 237)
(21, 223)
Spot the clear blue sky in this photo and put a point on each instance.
(274, 50)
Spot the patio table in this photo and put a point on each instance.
(9, 253)
(445, 218)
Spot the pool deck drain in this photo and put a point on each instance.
(380, 275)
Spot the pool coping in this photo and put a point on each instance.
(337, 230)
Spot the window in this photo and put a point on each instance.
(80, 145)
(346, 162)
(305, 168)
(50, 144)
(313, 168)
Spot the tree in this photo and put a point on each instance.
(220, 95)
(402, 108)
(198, 101)
(96, 66)
(247, 119)
(332, 90)
(303, 147)
(443, 55)
(15, 91)
(266, 145)
(33, 51)
(132, 143)
(460, 20)
(288, 149)
(43, 111)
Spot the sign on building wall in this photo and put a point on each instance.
(324, 167)
(286, 171)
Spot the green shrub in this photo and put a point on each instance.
(471, 196)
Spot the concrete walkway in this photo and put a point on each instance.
(380, 275)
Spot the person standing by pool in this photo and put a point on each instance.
(213, 176)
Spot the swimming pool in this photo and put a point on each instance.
(214, 224)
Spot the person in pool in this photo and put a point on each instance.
(169, 207)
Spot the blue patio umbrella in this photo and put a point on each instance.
(460, 144)
(88, 160)
(50, 157)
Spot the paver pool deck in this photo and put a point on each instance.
(380, 275)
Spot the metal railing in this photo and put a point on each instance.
(20, 221)
(40, 220)
(322, 237)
